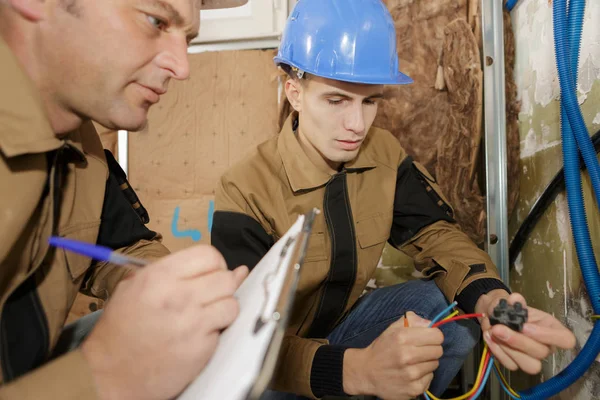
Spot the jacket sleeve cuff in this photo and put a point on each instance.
(326, 375)
(67, 378)
(467, 299)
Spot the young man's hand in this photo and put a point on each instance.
(542, 334)
(162, 325)
(399, 364)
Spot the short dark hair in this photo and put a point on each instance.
(292, 72)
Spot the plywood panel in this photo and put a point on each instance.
(191, 226)
(199, 129)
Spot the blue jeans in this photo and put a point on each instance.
(374, 312)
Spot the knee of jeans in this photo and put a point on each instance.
(460, 337)
(433, 300)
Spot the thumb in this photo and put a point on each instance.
(415, 321)
(240, 274)
(190, 262)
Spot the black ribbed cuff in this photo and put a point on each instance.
(326, 375)
(467, 299)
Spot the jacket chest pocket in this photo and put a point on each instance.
(316, 263)
(87, 232)
(373, 230)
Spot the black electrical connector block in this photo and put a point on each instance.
(512, 316)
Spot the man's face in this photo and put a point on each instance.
(335, 116)
(110, 60)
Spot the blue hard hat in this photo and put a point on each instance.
(345, 40)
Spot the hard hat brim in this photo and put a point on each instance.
(398, 79)
(214, 4)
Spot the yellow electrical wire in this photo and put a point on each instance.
(505, 381)
(455, 313)
(480, 372)
(471, 392)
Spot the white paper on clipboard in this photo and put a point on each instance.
(238, 361)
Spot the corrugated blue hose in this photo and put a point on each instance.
(510, 4)
(567, 39)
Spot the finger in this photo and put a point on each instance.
(517, 341)
(190, 262)
(552, 336)
(421, 385)
(202, 341)
(210, 287)
(219, 315)
(499, 353)
(416, 321)
(418, 371)
(419, 337)
(541, 318)
(240, 273)
(426, 381)
(485, 324)
(524, 361)
(418, 355)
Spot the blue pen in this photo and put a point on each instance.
(96, 252)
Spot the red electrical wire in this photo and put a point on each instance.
(445, 321)
(480, 380)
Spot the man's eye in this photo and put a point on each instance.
(157, 22)
(334, 102)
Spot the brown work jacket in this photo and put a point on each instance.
(380, 196)
(66, 187)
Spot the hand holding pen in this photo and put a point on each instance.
(161, 326)
(96, 252)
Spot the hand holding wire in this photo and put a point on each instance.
(541, 334)
(398, 364)
(535, 336)
(485, 366)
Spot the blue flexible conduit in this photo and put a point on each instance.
(510, 4)
(567, 41)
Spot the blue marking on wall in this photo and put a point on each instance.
(195, 234)
(211, 212)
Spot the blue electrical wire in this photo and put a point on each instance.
(485, 379)
(504, 386)
(440, 315)
(426, 397)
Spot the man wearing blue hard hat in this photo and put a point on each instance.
(339, 54)
(64, 64)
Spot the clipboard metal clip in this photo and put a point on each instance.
(286, 247)
(265, 315)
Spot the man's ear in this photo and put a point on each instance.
(293, 91)
(33, 10)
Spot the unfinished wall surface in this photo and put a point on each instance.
(438, 118)
(547, 270)
(199, 129)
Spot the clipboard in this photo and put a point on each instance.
(243, 364)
